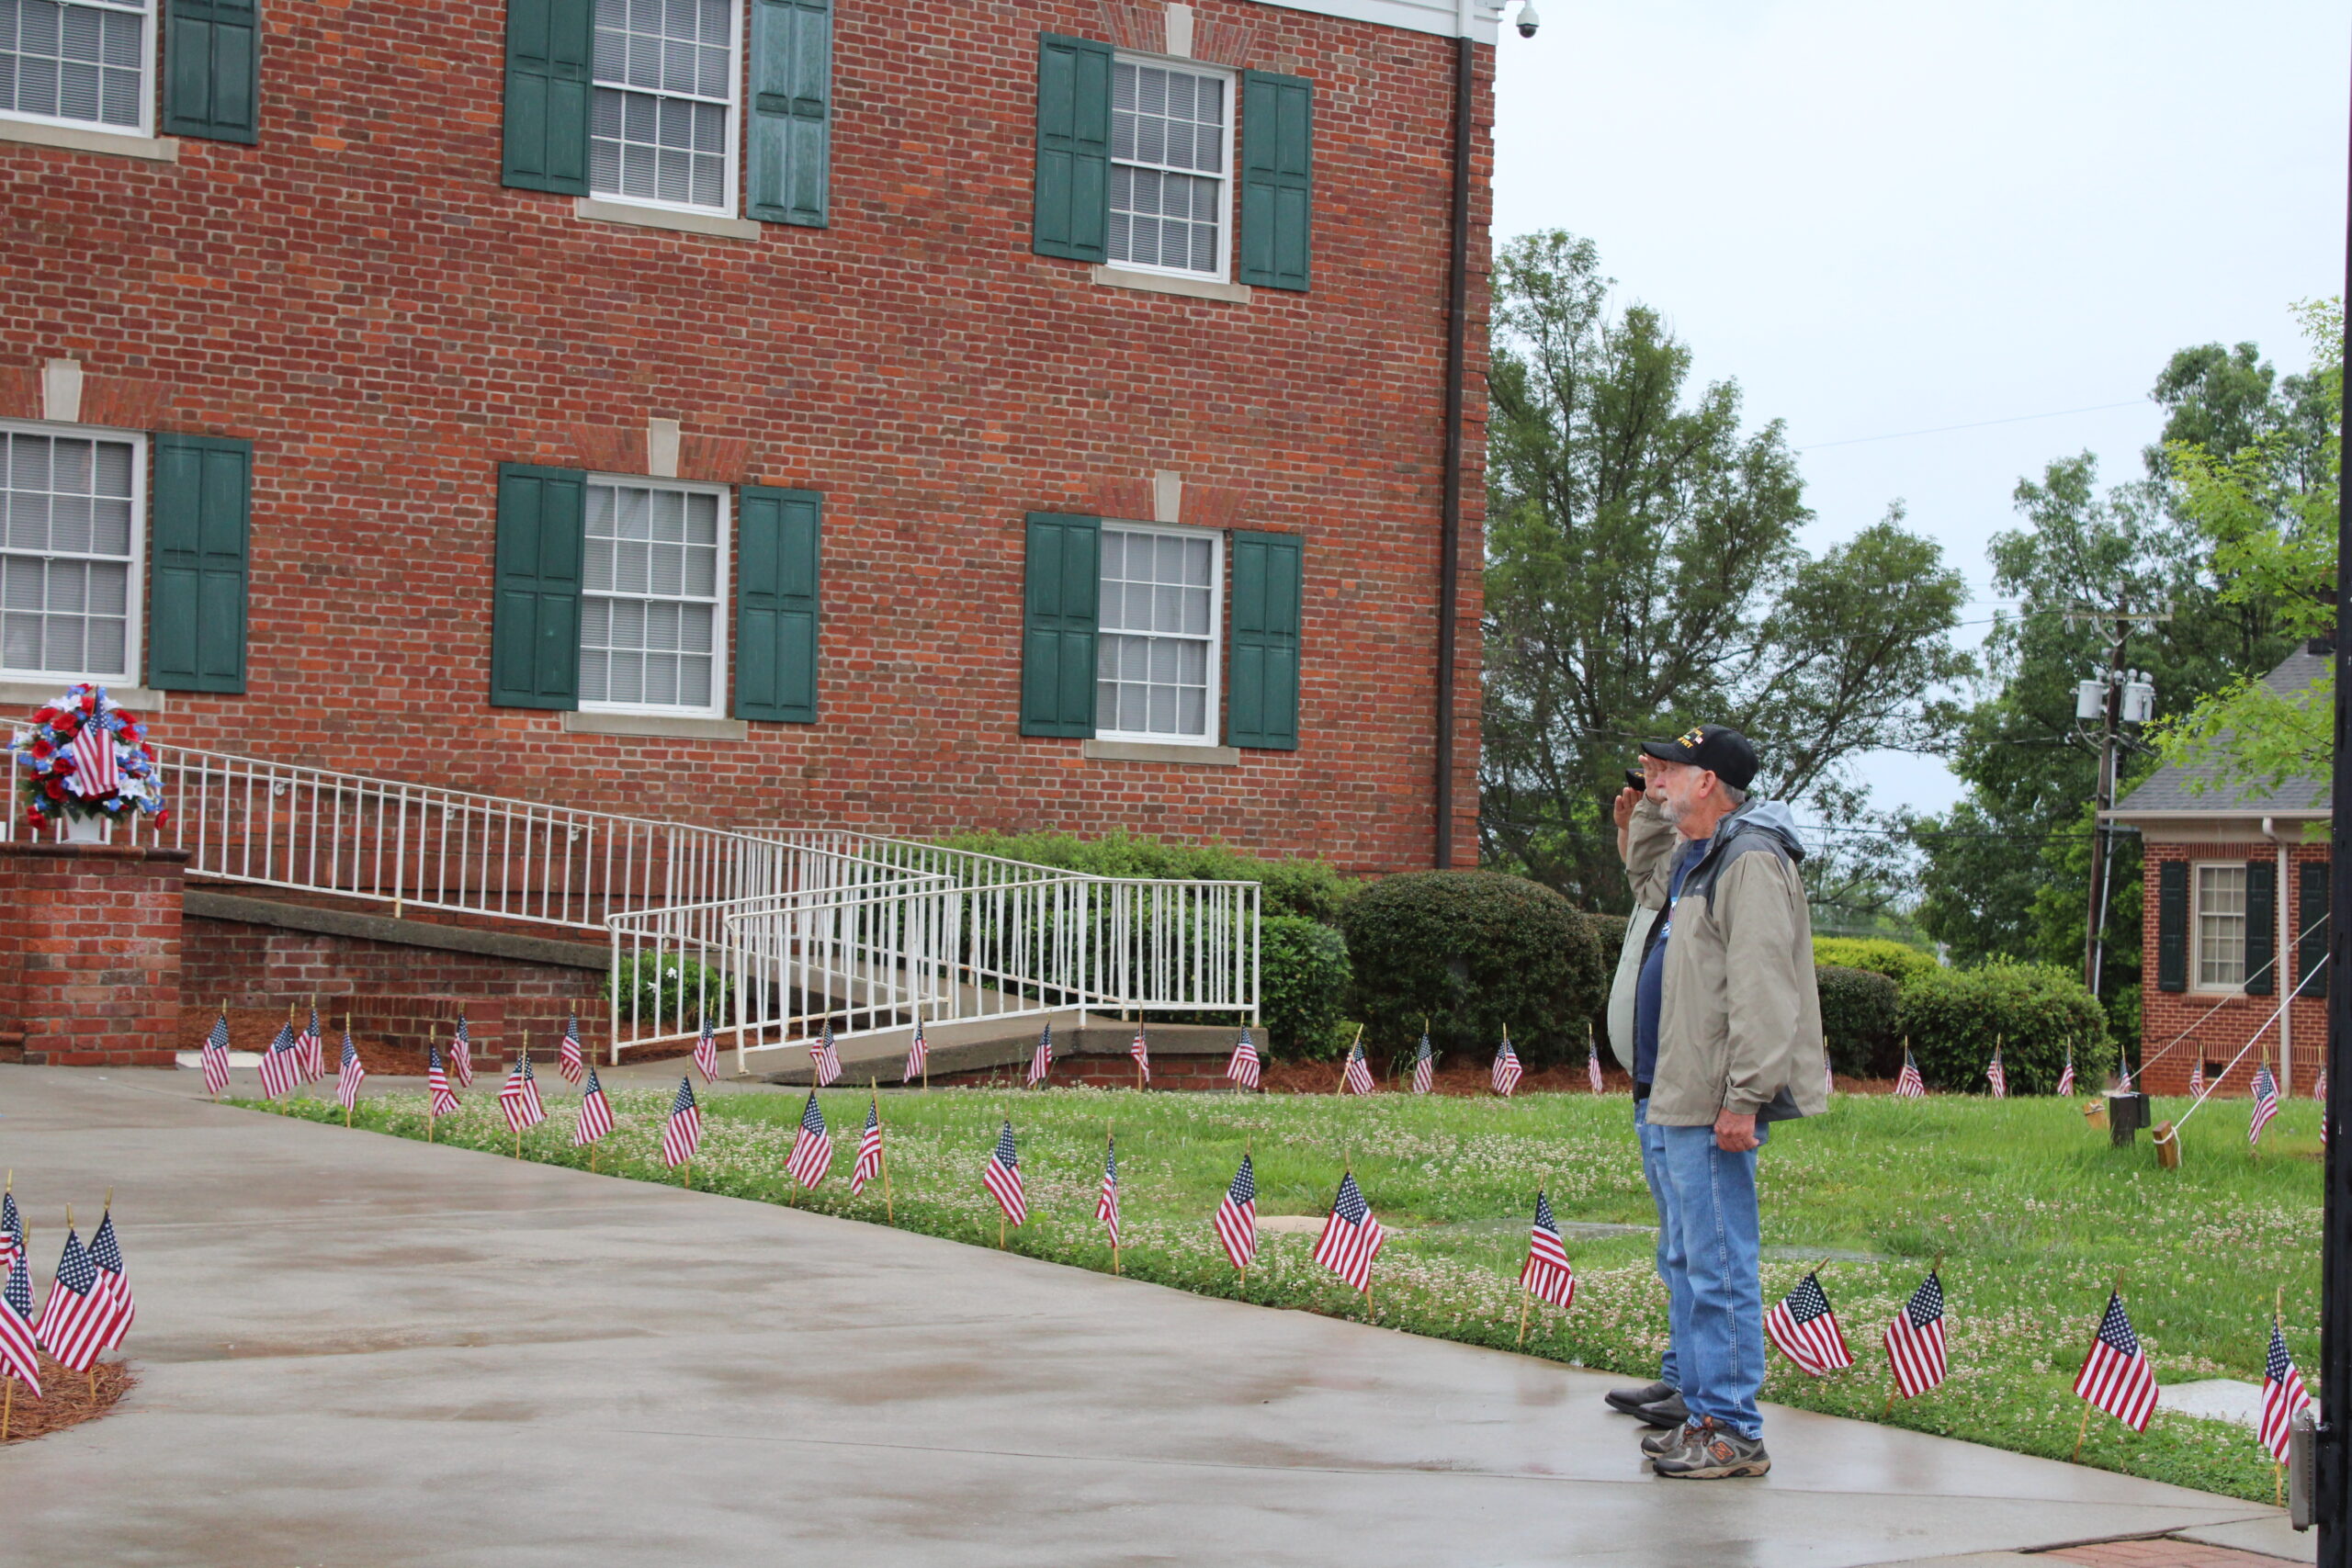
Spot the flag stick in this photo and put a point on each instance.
(8, 1408)
(1367, 1298)
(1890, 1395)
(690, 1173)
(591, 1158)
(999, 1227)
(2080, 1433)
(874, 1088)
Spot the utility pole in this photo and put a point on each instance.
(2102, 801)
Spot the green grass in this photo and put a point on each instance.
(2033, 1212)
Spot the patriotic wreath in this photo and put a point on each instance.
(88, 757)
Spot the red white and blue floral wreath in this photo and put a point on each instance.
(87, 757)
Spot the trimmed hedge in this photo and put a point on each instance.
(1303, 973)
(1476, 951)
(1880, 956)
(2037, 1010)
(1860, 1011)
(1311, 888)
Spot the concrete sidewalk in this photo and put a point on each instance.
(358, 1349)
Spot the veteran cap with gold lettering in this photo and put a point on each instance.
(1722, 750)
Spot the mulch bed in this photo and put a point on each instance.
(66, 1399)
(1476, 1078)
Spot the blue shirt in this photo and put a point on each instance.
(1650, 991)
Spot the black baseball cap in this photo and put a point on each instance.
(1722, 750)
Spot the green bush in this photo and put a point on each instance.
(1880, 956)
(672, 989)
(2037, 1010)
(1303, 974)
(1860, 1010)
(1311, 888)
(1476, 951)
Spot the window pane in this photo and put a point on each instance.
(1167, 141)
(649, 625)
(1154, 654)
(72, 60)
(66, 545)
(668, 139)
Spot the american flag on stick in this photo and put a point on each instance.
(20, 1353)
(2116, 1377)
(461, 1055)
(2283, 1395)
(2319, 1092)
(1805, 1329)
(443, 1099)
(2066, 1078)
(869, 1149)
(1592, 1059)
(1828, 1074)
(1424, 1066)
(568, 1059)
(114, 1283)
(520, 1097)
(349, 1075)
(1242, 1068)
(707, 1052)
(1041, 1060)
(1001, 1176)
(1106, 1204)
(1996, 1075)
(2123, 1076)
(12, 1232)
(1908, 1083)
(314, 1065)
(595, 1113)
(96, 773)
(1547, 1274)
(1237, 1216)
(918, 1055)
(74, 1320)
(682, 1134)
(2266, 1102)
(2196, 1078)
(1141, 1052)
(1351, 1237)
(1915, 1339)
(813, 1145)
(215, 1056)
(1356, 1077)
(281, 1065)
(1506, 1067)
(824, 1061)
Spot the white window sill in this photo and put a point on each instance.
(138, 699)
(711, 223)
(1159, 752)
(656, 725)
(1166, 283)
(154, 148)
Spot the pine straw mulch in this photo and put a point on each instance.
(66, 1399)
(1473, 1078)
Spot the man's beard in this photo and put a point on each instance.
(1674, 811)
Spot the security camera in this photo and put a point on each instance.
(1528, 21)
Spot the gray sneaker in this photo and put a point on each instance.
(1710, 1452)
(1666, 1442)
(1631, 1400)
(1668, 1413)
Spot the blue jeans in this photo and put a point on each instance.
(1669, 1246)
(1717, 1237)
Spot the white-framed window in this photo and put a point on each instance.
(70, 500)
(1171, 168)
(664, 131)
(2218, 921)
(653, 594)
(1156, 650)
(84, 62)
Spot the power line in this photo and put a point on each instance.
(1977, 424)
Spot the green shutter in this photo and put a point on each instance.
(1073, 210)
(1261, 665)
(535, 619)
(792, 98)
(551, 47)
(2310, 931)
(2261, 927)
(2172, 926)
(1065, 581)
(213, 69)
(1277, 178)
(196, 620)
(775, 604)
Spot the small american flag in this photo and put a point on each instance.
(314, 1065)
(595, 1113)
(2319, 1092)
(114, 1283)
(2197, 1079)
(918, 1055)
(1242, 1069)
(281, 1065)
(520, 1098)
(707, 1052)
(1141, 1052)
(96, 773)
(2116, 1377)
(1237, 1216)
(2123, 1077)
(1106, 1204)
(350, 1075)
(1546, 1274)
(2266, 1102)
(1908, 1083)
(2066, 1078)
(215, 1056)
(1805, 1329)
(823, 1059)
(1914, 1340)
(1828, 1075)
(1506, 1067)
(443, 1101)
(2283, 1396)
(1041, 1060)
(74, 1320)
(1356, 1078)
(1996, 1075)
(568, 1059)
(812, 1147)
(12, 1232)
(461, 1055)
(869, 1149)
(1351, 1237)
(1592, 1063)
(1424, 1066)
(682, 1134)
(1001, 1176)
(19, 1355)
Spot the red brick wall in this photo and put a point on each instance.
(360, 297)
(2215, 1026)
(90, 952)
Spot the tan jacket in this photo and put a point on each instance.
(1739, 1029)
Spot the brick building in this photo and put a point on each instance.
(2235, 907)
(761, 410)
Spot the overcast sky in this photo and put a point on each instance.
(1885, 218)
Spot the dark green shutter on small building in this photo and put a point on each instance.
(2172, 926)
(2310, 931)
(1064, 573)
(203, 499)
(1072, 214)
(1261, 663)
(535, 619)
(792, 93)
(1277, 179)
(213, 69)
(775, 604)
(2261, 928)
(550, 52)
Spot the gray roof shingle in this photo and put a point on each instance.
(2168, 789)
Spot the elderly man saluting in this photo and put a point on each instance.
(1728, 1025)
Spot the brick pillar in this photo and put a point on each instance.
(90, 952)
